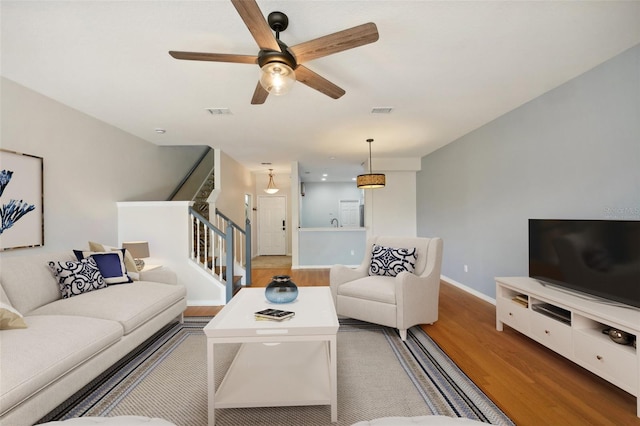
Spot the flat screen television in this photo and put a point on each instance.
(598, 258)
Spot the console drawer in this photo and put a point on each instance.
(514, 315)
(615, 363)
(553, 334)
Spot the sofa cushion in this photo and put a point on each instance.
(390, 261)
(110, 263)
(77, 277)
(28, 281)
(32, 358)
(131, 305)
(377, 288)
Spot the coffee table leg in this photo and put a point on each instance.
(211, 383)
(333, 374)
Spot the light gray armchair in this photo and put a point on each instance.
(402, 301)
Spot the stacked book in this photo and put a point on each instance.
(522, 299)
(273, 315)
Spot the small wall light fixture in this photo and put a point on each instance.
(371, 180)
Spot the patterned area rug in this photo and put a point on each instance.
(378, 376)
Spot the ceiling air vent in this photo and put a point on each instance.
(382, 110)
(219, 111)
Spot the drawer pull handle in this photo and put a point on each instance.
(599, 357)
(510, 314)
(547, 332)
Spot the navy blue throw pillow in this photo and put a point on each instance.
(110, 263)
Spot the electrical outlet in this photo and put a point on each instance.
(466, 268)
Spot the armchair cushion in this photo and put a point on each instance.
(390, 261)
(376, 288)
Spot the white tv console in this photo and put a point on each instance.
(572, 326)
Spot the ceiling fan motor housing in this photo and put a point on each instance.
(284, 57)
(278, 21)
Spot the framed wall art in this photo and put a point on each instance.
(21, 200)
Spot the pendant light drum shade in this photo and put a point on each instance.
(371, 180)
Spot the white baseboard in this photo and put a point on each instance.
(203, 303)
(468, 289)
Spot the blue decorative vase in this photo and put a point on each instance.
(281, 290)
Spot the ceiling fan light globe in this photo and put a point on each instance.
(277, 78)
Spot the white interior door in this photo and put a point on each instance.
(272, 234)
(349, 213)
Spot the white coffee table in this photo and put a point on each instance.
(286, 363)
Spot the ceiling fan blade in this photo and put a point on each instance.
(256, 23)
(336, 42)
(215, 57)
(305, 76)
(259, 95)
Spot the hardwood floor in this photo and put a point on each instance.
(530, 383)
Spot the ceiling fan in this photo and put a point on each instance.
(280, 64)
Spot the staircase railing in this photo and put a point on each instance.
(241, 240)
(208, 244)
(192, 184)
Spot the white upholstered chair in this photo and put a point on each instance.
(402, 301)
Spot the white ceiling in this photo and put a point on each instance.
(445, 67)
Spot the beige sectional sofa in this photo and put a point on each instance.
(68, 342)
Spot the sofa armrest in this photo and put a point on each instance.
(161, 275)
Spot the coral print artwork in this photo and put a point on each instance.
(11, 212)
(21, 223)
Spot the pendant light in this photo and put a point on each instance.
(371, 180)
(271, 187)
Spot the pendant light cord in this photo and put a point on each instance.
(370, 161)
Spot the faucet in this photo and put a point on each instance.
(336, 222)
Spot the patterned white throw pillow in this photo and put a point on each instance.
(79, 277)
(389, 261)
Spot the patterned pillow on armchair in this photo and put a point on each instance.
(389, 261)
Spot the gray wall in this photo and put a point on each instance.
(321, 202)
(88, 166)
(572, 153)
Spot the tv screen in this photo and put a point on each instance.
(598, 257)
